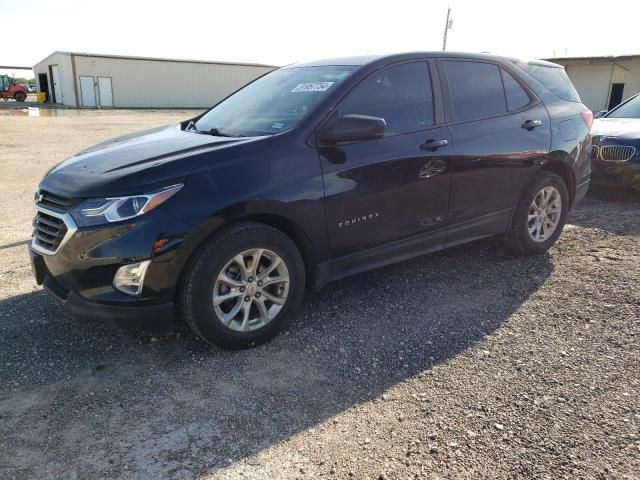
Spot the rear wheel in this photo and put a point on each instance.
(243, 287)
(540, 215)
(20, 97)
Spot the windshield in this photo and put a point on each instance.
(274, 103)
(630, 109)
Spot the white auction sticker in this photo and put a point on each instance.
(313, 87)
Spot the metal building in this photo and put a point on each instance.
(603, 82)
(105, 81)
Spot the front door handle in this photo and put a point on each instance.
(433, 145)
(531, 124)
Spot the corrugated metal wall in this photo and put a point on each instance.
(152, 83)
(142, 83)
(629, 74)
(593, 79)
(63, 61)
(592, 84)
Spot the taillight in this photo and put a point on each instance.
(587, 117)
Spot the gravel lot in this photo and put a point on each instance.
(466, 364)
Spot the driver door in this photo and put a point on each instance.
(389, 197)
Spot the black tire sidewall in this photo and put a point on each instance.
(197, 294)
(19, 95)
(520, 238)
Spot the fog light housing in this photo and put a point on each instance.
(129, 279)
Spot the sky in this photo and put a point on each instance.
(282, 32)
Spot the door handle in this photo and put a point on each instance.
(531, 124)
(433, 145)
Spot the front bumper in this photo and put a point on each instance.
(623, 174)
(80, 273)
(155, 318)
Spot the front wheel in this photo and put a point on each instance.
(243, 287)
(540, 215)
(19, 97)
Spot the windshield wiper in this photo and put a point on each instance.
(216, 131)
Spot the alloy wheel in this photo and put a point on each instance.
(544, 214)
(251, 290)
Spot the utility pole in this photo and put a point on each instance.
(447, 26)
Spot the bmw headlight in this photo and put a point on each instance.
(99, 211)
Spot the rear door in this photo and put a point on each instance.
(393, 188)
(500, 130)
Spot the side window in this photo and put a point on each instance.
(517, 97)
(400, 94)
(476, 90)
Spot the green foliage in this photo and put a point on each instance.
(25, 80)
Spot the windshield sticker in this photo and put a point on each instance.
(313, 87)
(277, 126)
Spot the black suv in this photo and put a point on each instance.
(308, 174)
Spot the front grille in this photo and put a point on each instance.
(616, 153)
(54, 202)
(48, 231)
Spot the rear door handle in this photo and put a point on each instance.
(531, 124)
(433, 145)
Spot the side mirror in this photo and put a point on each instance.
(600, 114)
(353, 128)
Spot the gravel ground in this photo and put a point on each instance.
(466, 364)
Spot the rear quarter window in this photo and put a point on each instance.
(555, 79)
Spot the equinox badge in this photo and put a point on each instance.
(361, 219)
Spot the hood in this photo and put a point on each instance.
(626, 128)
(141, 161)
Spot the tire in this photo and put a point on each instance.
(216, 260)
(519, 238)
(19, 97)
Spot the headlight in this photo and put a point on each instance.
(98, 211)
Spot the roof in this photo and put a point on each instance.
(156, 59)
(363, 60)
(605, 58)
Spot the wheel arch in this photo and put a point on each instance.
(243, 213)
(559, 163)
(294, 232)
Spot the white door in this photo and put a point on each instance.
(88, 92)
(57, 88)
(106, 95)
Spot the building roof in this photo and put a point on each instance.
(155, 59)
(605, 58)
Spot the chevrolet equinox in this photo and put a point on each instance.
(310, 173)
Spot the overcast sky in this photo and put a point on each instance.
(283, 31)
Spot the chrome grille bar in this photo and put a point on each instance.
(51, 230)
(616, 153)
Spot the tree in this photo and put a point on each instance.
(24, 80)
